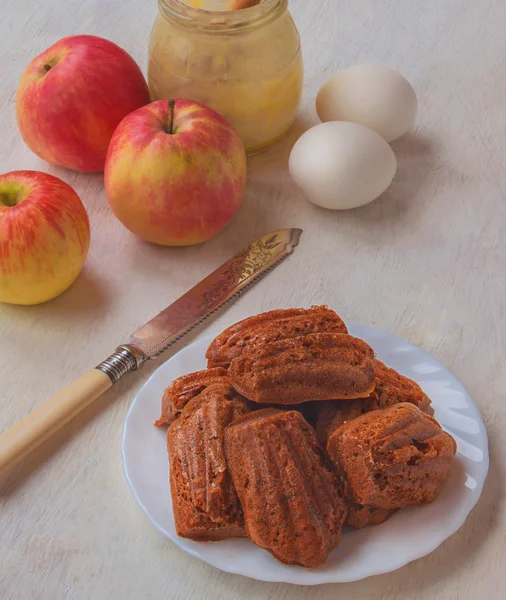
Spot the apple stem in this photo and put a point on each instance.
(8, 199)
(170, 124)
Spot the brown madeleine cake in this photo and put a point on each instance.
(185, 388)
(391, 388)
(290, 495)
(204, 501)
(318, 366)
(271, 327)
(392, 458)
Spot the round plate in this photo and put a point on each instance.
(409, 534)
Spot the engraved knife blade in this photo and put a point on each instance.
(229, 280)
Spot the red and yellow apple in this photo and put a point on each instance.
(71, 98)
(44, 237)
(175, 172)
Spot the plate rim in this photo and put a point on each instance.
(323, 577)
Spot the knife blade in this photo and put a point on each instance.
(211, 293)
(191, 309)
(148, 342)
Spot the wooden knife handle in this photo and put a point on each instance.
(34, 429)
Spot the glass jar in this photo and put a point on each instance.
(246, 64)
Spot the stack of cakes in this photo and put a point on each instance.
(294, 430)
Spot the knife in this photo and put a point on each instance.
(148, 342)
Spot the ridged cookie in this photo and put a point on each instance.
(319, 366)
(393, 388)
(185, 388)
(204, 501)
(392, 458)
(271, 327)
(290, 495)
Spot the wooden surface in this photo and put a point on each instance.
(425, 262)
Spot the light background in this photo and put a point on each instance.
(425, 262)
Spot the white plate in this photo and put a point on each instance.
(409, 534)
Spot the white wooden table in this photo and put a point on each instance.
(425, 262)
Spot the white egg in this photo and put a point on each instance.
(342, 165)
(374, 96)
